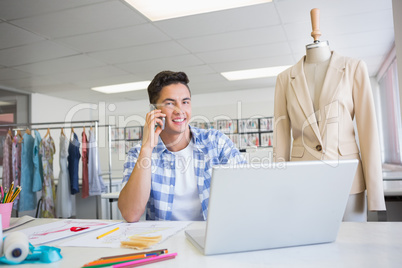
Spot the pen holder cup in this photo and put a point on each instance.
(5, 211)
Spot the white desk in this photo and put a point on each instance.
(373, 244)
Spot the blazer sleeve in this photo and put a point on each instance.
(367, 129)
(281, 143)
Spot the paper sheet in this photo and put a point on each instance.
(143, 228)
(61, 229)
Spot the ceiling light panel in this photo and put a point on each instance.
(122, 87)
(157, 10)
(254, 73)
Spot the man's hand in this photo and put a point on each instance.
(151, 129)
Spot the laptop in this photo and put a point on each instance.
(286, 204)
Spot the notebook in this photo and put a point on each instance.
(280, 205)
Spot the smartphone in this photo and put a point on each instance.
(153, 107)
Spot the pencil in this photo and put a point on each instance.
(15, 194)
(5, 196)
(111, 231)
(109, 262)
(10, 192)
(159, 251)
(146, 261)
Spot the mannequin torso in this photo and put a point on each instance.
(315, 68)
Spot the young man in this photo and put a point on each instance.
(169, 173)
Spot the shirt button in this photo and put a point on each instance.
(319, 148)
(171, 185)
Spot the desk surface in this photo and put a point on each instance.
(373, 244)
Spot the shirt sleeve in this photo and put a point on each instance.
(131, 160)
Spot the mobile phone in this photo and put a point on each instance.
(153, 107)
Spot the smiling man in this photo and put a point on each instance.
(169, 172)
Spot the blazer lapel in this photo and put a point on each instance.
(299, 85)
(335, 73)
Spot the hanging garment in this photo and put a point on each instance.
(7, 162)
(27, 196)
(73, 163)
(16, 166)
(96, 185)
(64, 198)
(38, 167)
(85, 183)
(47, 150)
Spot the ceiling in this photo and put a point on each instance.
(63, 48)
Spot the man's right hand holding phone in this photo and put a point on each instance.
(154, 124)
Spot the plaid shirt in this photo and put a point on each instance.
(211, 148)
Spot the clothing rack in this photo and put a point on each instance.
(50, 123)
(64, 124)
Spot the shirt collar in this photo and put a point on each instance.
(160, 148)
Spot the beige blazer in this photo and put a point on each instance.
(329, 133)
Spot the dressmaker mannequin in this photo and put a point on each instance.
(318, 56)
(319, 102)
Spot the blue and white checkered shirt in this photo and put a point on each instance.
(211, 148)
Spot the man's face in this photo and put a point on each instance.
(175, 101)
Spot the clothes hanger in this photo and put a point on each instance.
(28, 131)
(71, 134)
(62, 132)
(20, 135)
(47, 133)
(10, 133)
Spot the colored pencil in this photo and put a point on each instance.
(10, 195)
(5, 196)
(110, 262)
(111, 231)
(146, 261)
(16, 193)
(159, 251)
(103, 263)
(10, 192)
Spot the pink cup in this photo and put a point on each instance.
(5, 211)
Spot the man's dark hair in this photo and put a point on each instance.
(163, 79)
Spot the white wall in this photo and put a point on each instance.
(46, 109)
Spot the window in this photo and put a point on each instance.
(8, 111)
(391, 114)
(14, 109)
